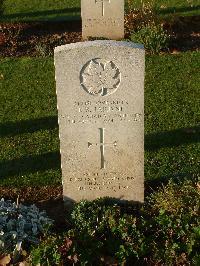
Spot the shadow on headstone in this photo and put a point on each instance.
(126, 206)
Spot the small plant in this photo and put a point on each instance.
(145, 14)
(173, 232)
(46, 253)
(167, 229)
(144, 26)
(54, 250)
(103, 229)
(20, 224)
(43, 50)
(154, 38)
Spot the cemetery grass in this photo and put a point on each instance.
(36, 10)
(29, 154)
(39, 10)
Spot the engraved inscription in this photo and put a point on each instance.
(109, 22)
(112, 181)
(102, 4)
(100, 77)
(102, 145)
(105, 111)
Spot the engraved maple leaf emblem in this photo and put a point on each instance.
(100, 77)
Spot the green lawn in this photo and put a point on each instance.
(29, 142)
(26, 10)
(34, 10)
(177, 7)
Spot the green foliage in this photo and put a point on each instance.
(107, 230)
(176, 224)
(165, 230)
(154, 38)
(86, 216)
(46, 253)
(92, 224)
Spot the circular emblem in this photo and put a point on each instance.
(99, 77)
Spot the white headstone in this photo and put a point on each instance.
(103, 18)
(100, 94)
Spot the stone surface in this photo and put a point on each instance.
(100, 94)
(103, 18)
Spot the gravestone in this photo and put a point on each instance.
(102, 18)
(100, 95)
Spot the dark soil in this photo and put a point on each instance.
(184, 33)
(40, 38)
(37, 38)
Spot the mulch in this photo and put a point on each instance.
(31, 39)
(40, 38)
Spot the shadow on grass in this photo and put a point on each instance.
(173, 138)
(30, 164)
(154, 184)
(154, 141)
(174, 10)
(1, 7)
(28, 126)
(51, 160)
(43, 13)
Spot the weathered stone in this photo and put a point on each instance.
(100, 93)
(102, 18)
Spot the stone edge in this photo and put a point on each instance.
(98, 43)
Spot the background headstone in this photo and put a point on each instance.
(100, 94)
(103, 18)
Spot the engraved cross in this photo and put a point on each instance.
(102, 145)
(102, 3)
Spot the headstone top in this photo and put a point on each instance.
(102, 18)
(98, 43)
